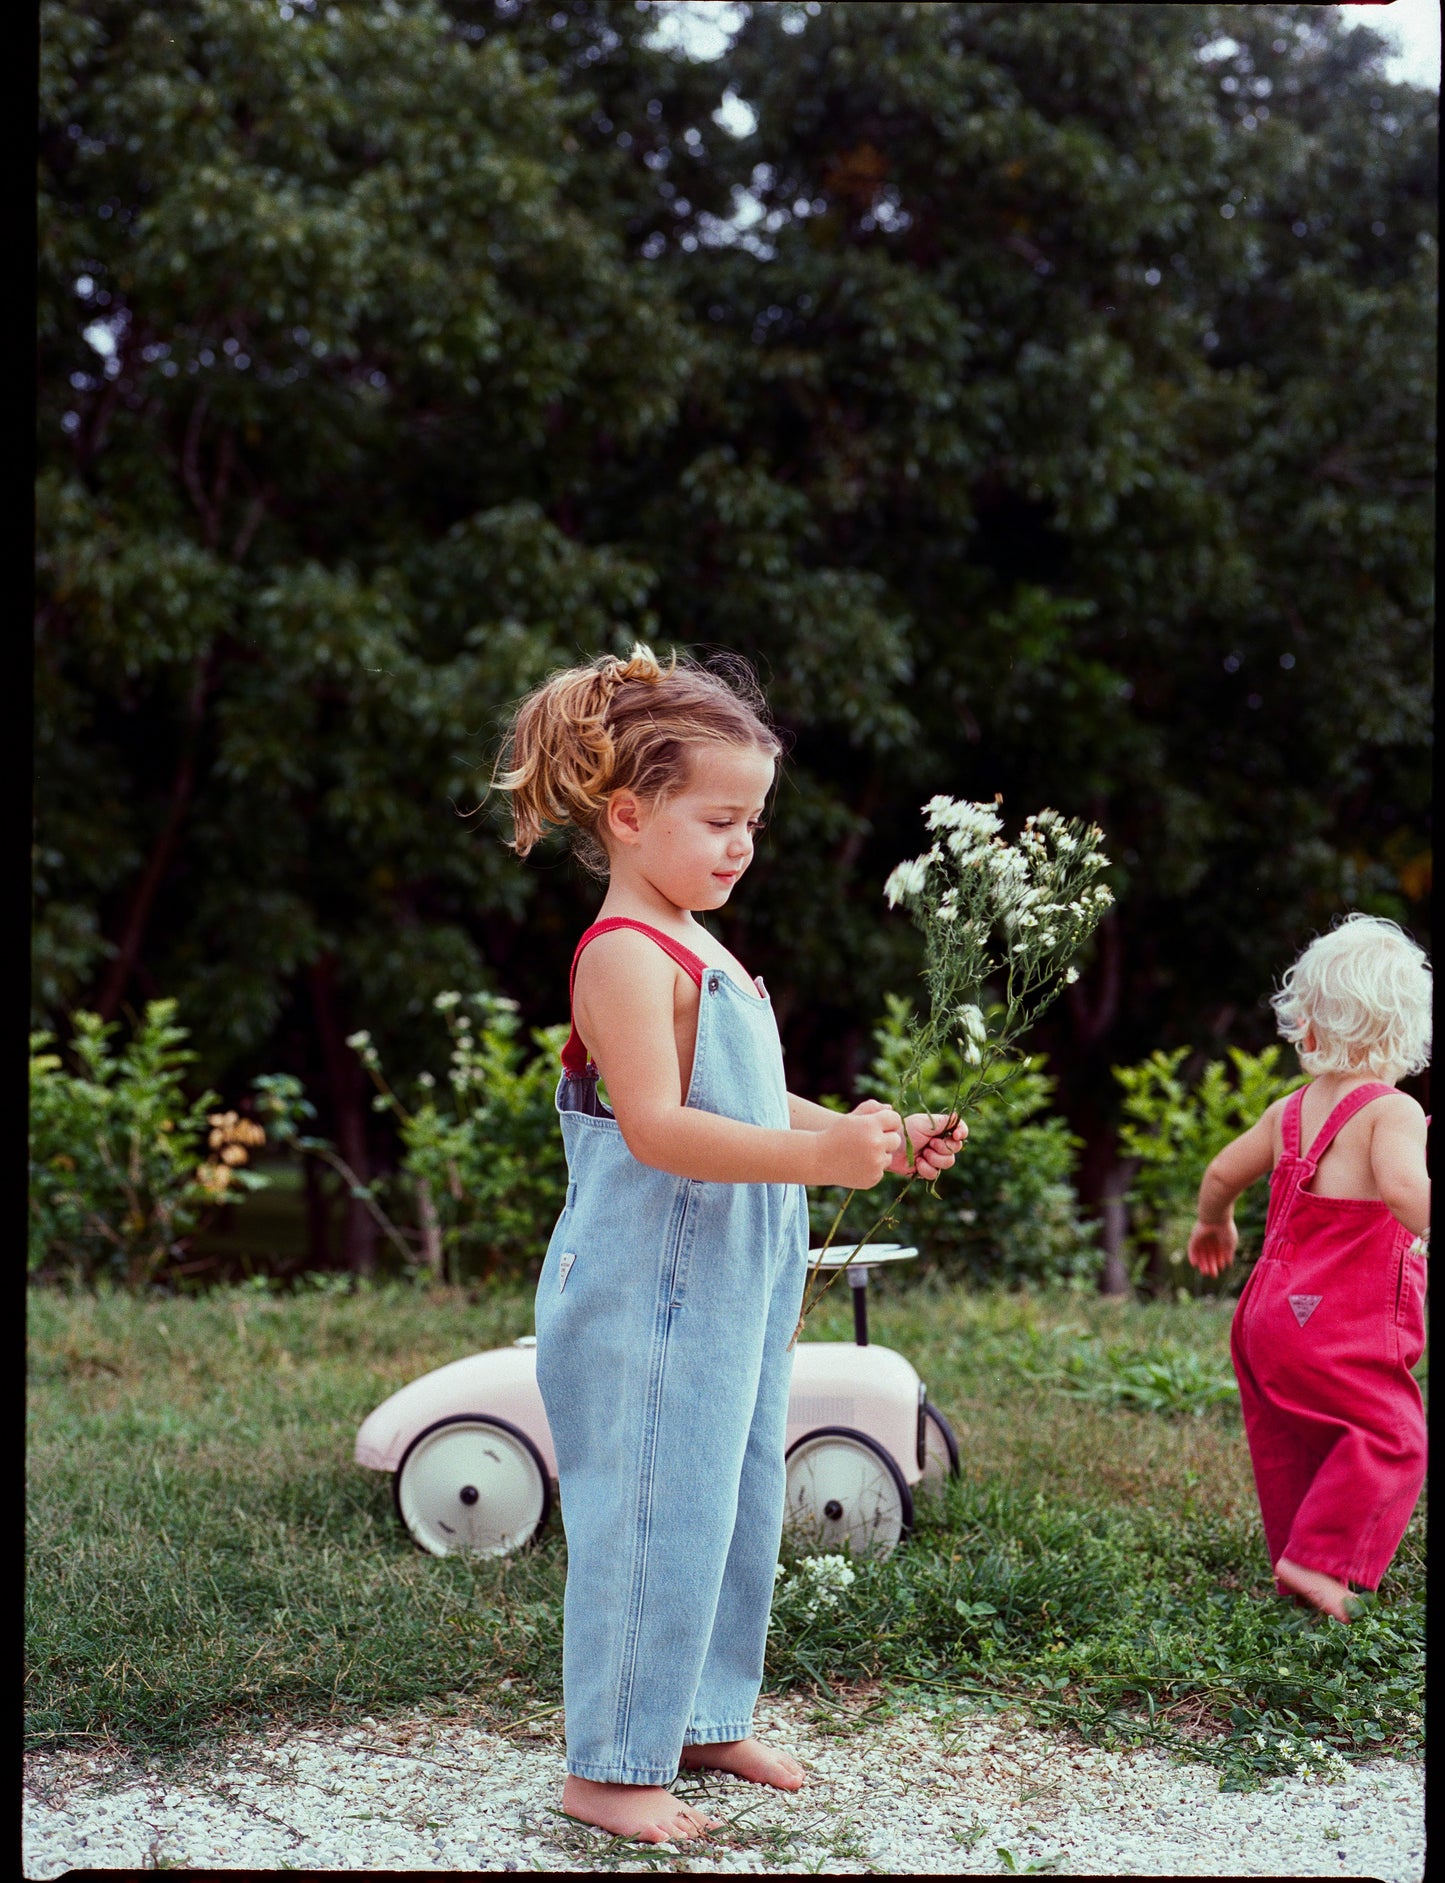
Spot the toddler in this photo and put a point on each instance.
(1333, 1317)
(673, 1280)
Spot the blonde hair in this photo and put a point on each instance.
(620, 725)
(1364, 991)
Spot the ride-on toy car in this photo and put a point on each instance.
(474, 1468)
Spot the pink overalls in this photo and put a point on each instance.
(1326, 1331)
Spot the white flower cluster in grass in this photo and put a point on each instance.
(816, 1584)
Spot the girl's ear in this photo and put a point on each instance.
(623, 819)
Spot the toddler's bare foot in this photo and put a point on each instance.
(647, 1813)
(1323, 1592)
(748, 1758)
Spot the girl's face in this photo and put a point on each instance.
(694, 845)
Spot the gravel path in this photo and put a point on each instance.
(916, 1794)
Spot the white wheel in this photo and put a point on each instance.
(845, 1495)
(940, 1449)
(471, 1485)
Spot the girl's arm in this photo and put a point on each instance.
(1238, 1165)
(1397, 1161)
(623, 999)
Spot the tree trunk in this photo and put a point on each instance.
(1092, 1008)
(143, 896)
(346, 1082)
(318, 1216)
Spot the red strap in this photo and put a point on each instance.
(1289, 1123)
(1341, 1116)
(574, 1053)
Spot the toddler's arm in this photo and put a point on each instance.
(1397, 1161)
(1250, 1157)
(624, 996)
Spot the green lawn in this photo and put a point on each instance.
(204, 1556)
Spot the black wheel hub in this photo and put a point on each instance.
(832, 1510)
(469, 1493)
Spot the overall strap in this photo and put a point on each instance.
(1289, 1121)
(574, 1053)
(1351, 1103)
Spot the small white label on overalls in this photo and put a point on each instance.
(565, 1267)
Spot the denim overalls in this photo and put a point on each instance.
(664, 1314)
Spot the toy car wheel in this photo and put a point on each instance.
(845, 1494)
(940, 1448)
(471, 1485)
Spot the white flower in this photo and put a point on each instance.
(444, 1002)
(973, 1023)
(945, 912)
(1071, 976)
(959, 814)
(972, 1056)
(1048, 938)
(1103, 895)
(907, 881)
(425, 1079)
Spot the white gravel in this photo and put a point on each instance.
(951, 1795)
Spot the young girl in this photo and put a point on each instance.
(673, 1280)
(1333, 1318)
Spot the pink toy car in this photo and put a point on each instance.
(474, 1468)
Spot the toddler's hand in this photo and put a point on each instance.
(858, 1149)
(1212, 1246)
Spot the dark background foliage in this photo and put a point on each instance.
(1056, 418)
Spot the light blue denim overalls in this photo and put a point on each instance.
(664, 1314)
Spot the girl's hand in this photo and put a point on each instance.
(1212, 1246)
(857, 1150)
(937, 1139)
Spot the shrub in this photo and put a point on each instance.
(1007, 1212)
(1172, 1130)
(482, 1169)
(123, 1166)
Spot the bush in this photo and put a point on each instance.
(123, 1166)
(1172, 1131)
(1007, 1212)
(483, 1170)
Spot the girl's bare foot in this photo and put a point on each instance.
(748, 1758)
(1322, 1592)
(647, 1813)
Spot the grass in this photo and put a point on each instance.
(205, 1557)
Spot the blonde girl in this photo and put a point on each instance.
(672, 1282)
(1332, 1319)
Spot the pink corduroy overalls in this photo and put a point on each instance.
(1324, 1337)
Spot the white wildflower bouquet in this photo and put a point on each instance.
(1013, 915)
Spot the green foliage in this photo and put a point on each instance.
(1169, 1379)
(119, 1175)
(486, 1164)
(1006, 1213)
(1172, 1130)
(1053, 427)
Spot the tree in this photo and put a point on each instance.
(1056, 426)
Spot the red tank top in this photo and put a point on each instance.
(574, 1054)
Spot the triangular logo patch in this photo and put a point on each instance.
(1304, 1306)
(565, 1268)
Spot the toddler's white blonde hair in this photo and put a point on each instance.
(1363, 990)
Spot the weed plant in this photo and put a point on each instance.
(205, 1557)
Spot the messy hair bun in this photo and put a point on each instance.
(620, 725)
